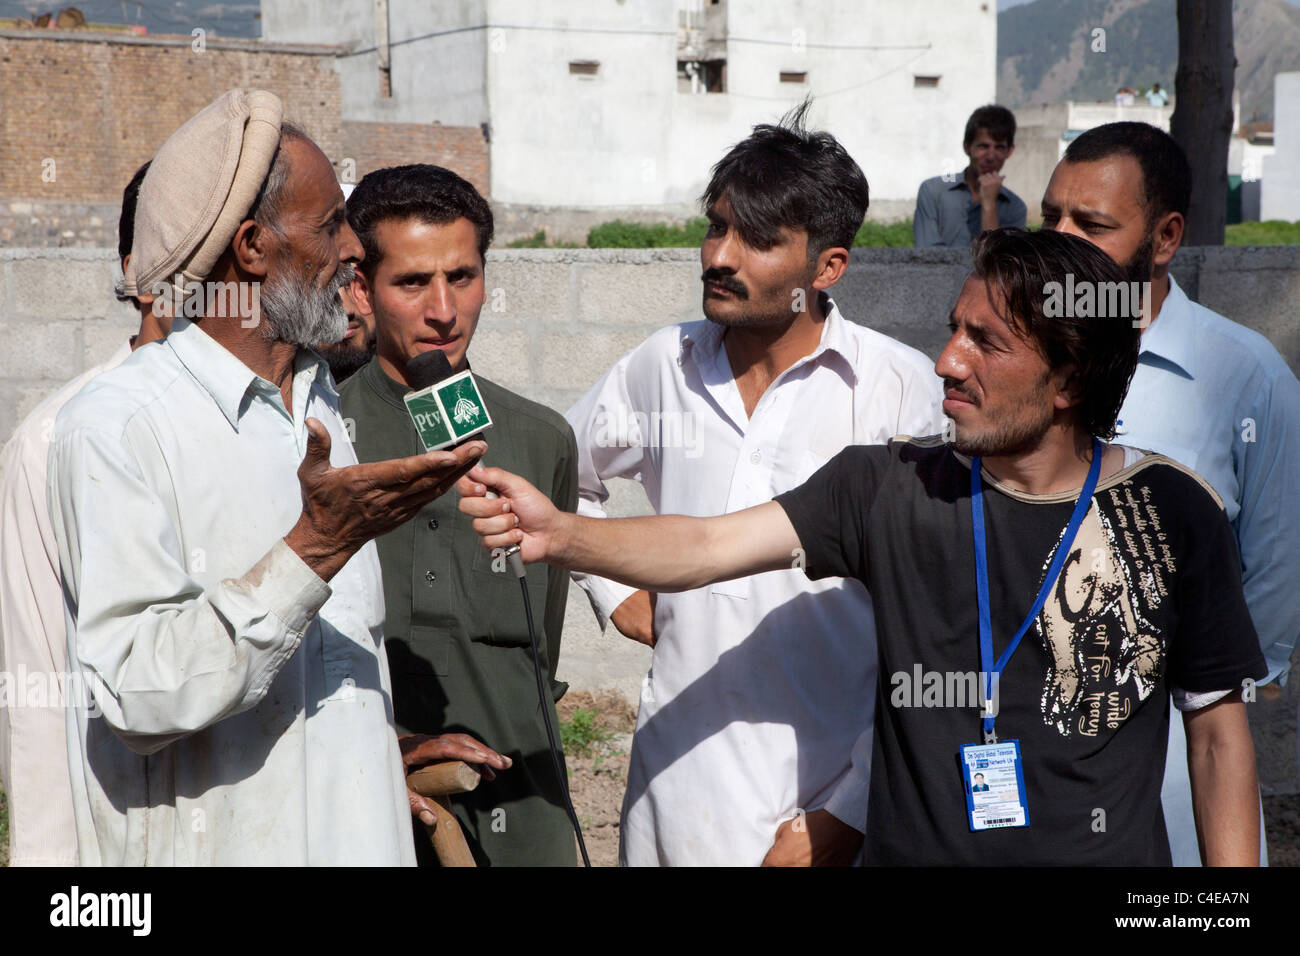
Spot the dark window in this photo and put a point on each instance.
(794, 76)
(709, 76)
(584, 67)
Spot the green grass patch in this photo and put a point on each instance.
(538, 240)
(895, 235)
(582, 734)
(1275, 232)
(639, 235)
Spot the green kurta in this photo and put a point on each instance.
(455, 630)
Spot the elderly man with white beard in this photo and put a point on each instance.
(222, 595)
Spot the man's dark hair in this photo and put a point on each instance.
(1166, 174)
(430, 194)
(998, 121)
(1017, 267)
(789, 176)
(126, 224)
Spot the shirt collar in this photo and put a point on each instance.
(704, 345)
(225, 377)
(389, 389)
(1170, 334)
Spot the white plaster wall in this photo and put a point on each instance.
(1280, 185)
(437, 55)
(626, 137)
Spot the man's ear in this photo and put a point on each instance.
(831, 264)
(360, 288)
(1068, 390)
(1010, 149)
(251, 247)
(1167, 237)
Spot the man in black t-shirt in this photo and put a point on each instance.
(1138, 588)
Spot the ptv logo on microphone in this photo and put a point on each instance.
(448, 412)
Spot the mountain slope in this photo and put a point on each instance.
(1045, 49)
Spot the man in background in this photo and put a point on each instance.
(457, 635)
(33, 637)
(952, 209)
(357, 347)
(750, 747)
(1209, 393)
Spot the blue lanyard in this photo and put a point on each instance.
(991, 672)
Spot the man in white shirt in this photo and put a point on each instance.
(751, 748)
(239, 708)
(33, 639)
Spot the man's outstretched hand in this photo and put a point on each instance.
(420, 749)
(343, 508)
(521, 516)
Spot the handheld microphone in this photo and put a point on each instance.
(448, 410)
(426, 405)
(446, 407)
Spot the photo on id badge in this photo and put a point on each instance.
(995, 786)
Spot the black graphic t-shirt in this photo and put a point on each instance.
(1149, 599)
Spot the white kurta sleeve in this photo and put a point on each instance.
(162, 656)
(33, 646)
(610, 445)
(848, 801)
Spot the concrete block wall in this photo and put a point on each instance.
(556, 319)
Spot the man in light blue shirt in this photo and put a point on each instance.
(952, 209)
(1209, 393)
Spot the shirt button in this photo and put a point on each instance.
(433, 524)
(756, 457)
(430, 576)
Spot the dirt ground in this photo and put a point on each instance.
(597, 781)
(1282, 824)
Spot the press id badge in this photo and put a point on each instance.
(995, 785)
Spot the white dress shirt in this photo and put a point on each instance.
(241, 707)
(33, 644)
(760, 696)
(1217, 397)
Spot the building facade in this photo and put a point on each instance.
(622, 107)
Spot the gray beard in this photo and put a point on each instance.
(296, 310)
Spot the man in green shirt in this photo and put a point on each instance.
(455, 628)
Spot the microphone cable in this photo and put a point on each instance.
(517, 565)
